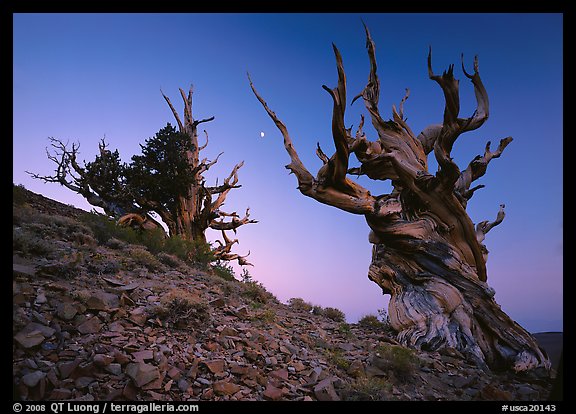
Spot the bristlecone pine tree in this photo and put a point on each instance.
(166, 179)
(427, 253)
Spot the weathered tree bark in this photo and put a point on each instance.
(196, 209)
(427, 254)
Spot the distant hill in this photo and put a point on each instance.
(98, 317)
(552, 342)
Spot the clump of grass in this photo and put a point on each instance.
(256, 292)
(335, 314)
(317, 310)
(371, 322)
(116, 244)
(300, 305)
(65, 267)
(143, 257)
(223, 270)
(367, 389)
(104, 228)
(107, 232)
(266, 316)
(336, 357)
(102, 264)
(192, 251)
(400, 360)
(28, 244)
(345, 330)
(170, 260)
(182, 309)
(84, 239)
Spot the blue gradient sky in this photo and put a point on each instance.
(81, 77)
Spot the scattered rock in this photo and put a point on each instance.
(83, 382)
(114, 368)
(102, 300)
(67, 367)
(60, 394)
(102, 360)
(273, 393)
(86, 337)
(142, 356)
(32, 379)
(23, 270)
(183, 385)
(215, 366)
(493, 393)
(33, 334)
(142, 373)
(66, 311)
(225, 388)
(29, 339)
(90, 326)
(280, 374)
(324, 391)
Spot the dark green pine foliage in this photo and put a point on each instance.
(162, 173)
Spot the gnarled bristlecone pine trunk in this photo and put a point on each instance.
(427, 253)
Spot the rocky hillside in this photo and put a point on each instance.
(97, 319)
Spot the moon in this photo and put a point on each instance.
(261, 134)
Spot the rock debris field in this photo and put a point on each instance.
(111, 321)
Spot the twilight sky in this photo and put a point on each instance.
(80, 77)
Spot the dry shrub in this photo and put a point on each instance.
(182, 309)
(144, 258)
(398, 359)
(299, 304)
(334, 314)
(372, 322)
(170, 260)
(368, 389)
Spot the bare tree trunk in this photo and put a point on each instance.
(438, 301)
(427, 253)
(196, 210)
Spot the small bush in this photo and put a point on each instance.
(22, 215)
(102, 266)
(84, 239)
(398, 359)
(336, 357)
(345, 330)
(256, 292)
(246, 276)
(191, 251)
(29, 244)
(317, 310)
(194, 252)
(65, 267)
(367, 389)
(299, 304)
(104, 228)
(115, 244)
(170, 260)
(266, 316)
(371, 322)
(143, 257)
(224, 271)
(335, 314)
(182, 309)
